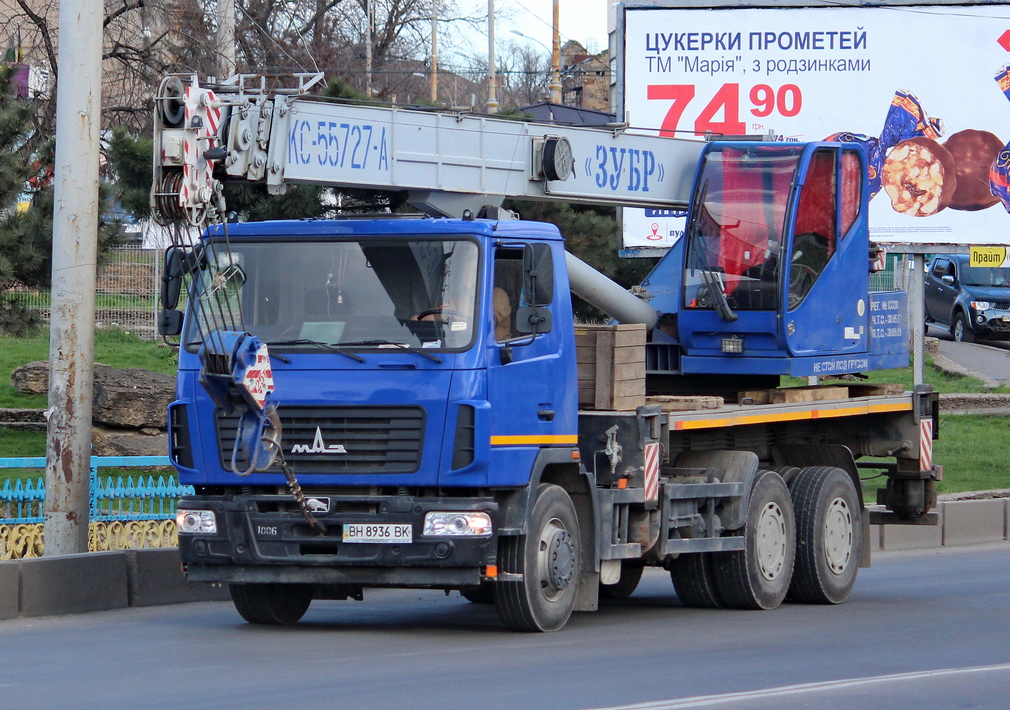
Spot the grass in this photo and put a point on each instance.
(974, 450)
(941, 381)
(113, 346)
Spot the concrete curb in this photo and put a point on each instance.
(961, 522)
(97, 581)
(945, 364)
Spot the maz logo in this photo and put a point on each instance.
(318, 446)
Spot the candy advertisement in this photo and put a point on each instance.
(924, 89)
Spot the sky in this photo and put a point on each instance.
(582, 20)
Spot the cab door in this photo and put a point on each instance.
(530, 381)
(827, 282)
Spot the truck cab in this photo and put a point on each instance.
(389, 339)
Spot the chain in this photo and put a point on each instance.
(296, 491)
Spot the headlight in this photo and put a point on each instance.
(981, 305)
(196, 521)
(459, 524)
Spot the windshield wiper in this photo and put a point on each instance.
(318, 344)
(401, 346)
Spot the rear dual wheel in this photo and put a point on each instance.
(829, 535)
(756, 577)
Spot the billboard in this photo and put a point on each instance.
(921, 86)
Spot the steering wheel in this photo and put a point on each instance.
(801, 278)
(443, 312)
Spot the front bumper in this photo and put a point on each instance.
(993, 323)
(265, 538)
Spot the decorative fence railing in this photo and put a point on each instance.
(118, 498)
(125, 512)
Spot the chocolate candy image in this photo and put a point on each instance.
(919, 176)
(973, 152)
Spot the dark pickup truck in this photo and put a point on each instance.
(972, 301)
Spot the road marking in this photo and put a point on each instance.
(699, 701)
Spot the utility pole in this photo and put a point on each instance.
(368, 47)
(75, 256)
(434, 51)
(225, 38)
(492, 79)
(556, 60)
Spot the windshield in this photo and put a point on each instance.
(373, 293)
(737, 225)
(986, 276)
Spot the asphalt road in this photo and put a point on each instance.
(920, 630)
(988, 357)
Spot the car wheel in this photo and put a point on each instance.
(961, 331)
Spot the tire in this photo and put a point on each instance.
(481, 594)
(275, 604)
(787, 472)
(758, 576)
(694, 581)
(961, 331)
(631, 575)
(828, 536)
(549, 558)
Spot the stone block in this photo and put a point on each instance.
(10, 588)
(972, 522)
(910, 537)
(156, 578)
(68, 584)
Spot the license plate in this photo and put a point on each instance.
(1006, 318)
(378, 532)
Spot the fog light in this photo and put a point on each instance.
(732, 345)
(190, 522)
(980, 318)
(457, 524)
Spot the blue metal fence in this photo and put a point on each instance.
(119, 498)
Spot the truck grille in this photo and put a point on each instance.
(341, 439)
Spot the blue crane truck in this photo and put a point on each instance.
(401, 401)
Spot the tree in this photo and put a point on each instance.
(26, 207)
(591, 233)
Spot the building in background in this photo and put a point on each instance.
(585, 78)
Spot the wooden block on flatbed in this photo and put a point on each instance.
(815, 393)
(869, 390)
(685, 403)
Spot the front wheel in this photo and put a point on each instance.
(828, 533)
(961, 331)
(549, 560)
(275, 604)
(758, 576)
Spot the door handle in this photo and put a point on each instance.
(546, 415)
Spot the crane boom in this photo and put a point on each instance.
(446, 162)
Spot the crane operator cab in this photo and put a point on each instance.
(772, 277)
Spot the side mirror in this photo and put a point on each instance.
(534, 319)
(176, 263)
(538, 274)
(947, 279)
(170, 322)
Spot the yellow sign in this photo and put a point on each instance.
(989, 256)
